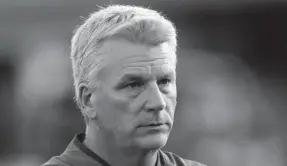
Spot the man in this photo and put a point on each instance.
(124, 61)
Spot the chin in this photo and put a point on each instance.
(152, 141)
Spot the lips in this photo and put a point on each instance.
(154, 127)
(152, 124)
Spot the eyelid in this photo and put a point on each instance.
(165, 79)
(168, 77)
(139, 82)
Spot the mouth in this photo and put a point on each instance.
(153, 124)
(154, 127)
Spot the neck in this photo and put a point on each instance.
(117, 155)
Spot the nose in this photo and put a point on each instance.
(155, 99)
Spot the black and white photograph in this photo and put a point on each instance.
(143, 83)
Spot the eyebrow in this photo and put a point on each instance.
(140, 76)
(170, 74)
(131, 76)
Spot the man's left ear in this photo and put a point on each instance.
(85, 99)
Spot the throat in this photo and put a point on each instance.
(138, 159)
(120, 156)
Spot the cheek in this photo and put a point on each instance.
(171, 106)
(137, 103)
(115, 112)
(171, 100)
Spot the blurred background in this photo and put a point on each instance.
(232, 79)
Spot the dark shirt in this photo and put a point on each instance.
(77, 154)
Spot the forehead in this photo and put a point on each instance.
(120, 50)
(120, 54)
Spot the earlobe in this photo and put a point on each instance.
(91, 113)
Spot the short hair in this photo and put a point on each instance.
(133, 23)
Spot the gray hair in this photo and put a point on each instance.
(133, 23)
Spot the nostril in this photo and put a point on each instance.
(157, 108)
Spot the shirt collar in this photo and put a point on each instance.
(78, 140)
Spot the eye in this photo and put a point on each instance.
(135, 84)
(164, 81)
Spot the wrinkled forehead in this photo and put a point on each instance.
(121, 51)
(122, 55)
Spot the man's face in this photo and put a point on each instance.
(136, 97)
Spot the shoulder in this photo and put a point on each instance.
(56, 161)
(174, 159)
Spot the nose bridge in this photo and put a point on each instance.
(155, 98)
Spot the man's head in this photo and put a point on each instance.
(124, 61)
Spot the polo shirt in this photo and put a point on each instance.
(78, 154)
